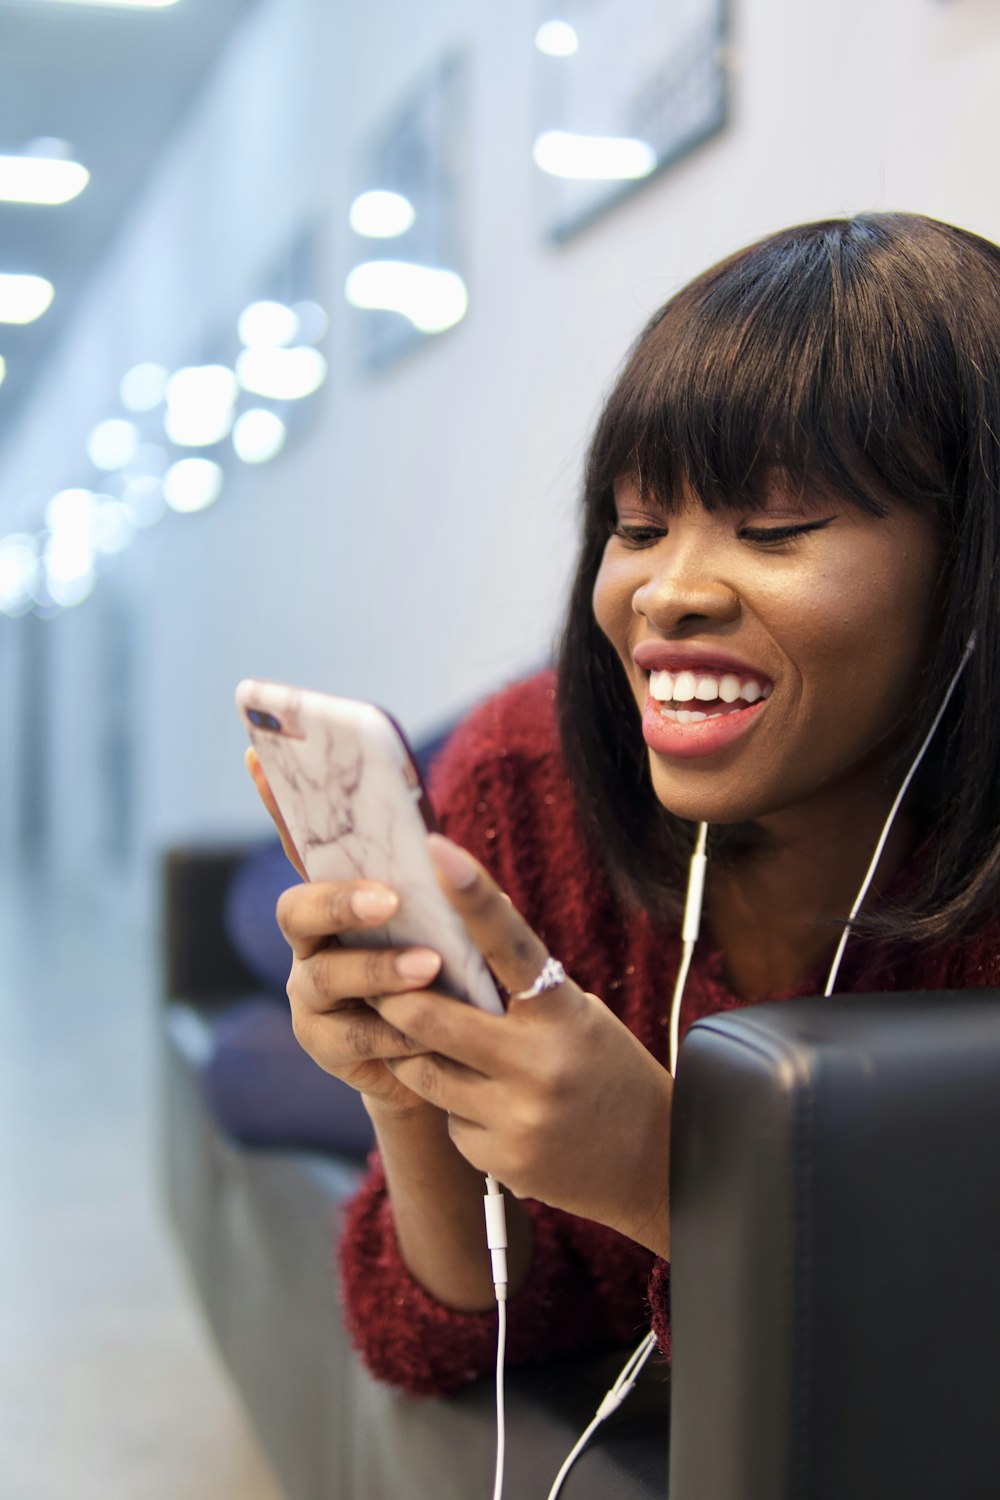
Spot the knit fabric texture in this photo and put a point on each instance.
(501, 791)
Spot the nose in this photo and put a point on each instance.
(685, 590)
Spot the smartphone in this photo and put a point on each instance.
(354, 802)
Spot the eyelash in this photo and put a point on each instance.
(638, 537)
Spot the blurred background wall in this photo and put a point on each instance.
(413, 540)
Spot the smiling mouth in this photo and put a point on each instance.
(692, 697)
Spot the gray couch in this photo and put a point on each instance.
(836, 1223)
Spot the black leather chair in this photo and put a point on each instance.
(835, 1283)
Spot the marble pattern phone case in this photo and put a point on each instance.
(351, 797)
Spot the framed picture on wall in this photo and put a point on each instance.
(407, 278)
(625, 89)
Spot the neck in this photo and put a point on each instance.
(772, 912)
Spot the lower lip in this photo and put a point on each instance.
(704, 737)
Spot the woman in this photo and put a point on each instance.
(791, 517)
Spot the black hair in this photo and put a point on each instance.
(861, 356)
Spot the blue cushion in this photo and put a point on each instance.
(265, 1091)
(248, 915)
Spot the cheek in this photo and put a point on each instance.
(860, 632)
(612, 603)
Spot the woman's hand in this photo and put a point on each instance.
(557, 1099)
(329, 985)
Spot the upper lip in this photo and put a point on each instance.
(674, 656)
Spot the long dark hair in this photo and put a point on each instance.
(860, 355)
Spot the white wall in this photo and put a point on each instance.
(414, 545)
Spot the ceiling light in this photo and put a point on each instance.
(267, 323)
(40, 179)
(381, 215)
(200, 400)
(143, 387)
(70, 512)
(3, 369)
(24, 298)
(191, 484)
(432, 299)
(258, 436)
(65, 592)
(598, 158)
(112, 444)
(68, 552)
(281, 374)
(557, 39)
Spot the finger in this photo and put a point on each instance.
(347, 1037)
(309, 915)
(253, 765)
(335, 975)
(512, 950)
(473, 1039)
(445, 1083)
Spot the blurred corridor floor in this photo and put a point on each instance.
(109, 1389)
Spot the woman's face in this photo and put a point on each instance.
(800, 632)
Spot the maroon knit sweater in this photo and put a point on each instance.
(501, 790)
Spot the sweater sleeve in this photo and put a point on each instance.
(586, 1284)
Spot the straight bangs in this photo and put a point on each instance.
(790, 363)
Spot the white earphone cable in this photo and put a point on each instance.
(623, 1385)
(831, 978)
(496, 1239)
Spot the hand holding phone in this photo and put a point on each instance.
(353, 805)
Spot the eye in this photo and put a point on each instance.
(637, 537)
(773, 536)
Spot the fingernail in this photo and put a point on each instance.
(418, 963)
(457, 867)
(371, 905)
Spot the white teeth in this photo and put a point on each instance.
(690, 715)
(685, 686)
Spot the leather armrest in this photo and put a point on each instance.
(835, 1283)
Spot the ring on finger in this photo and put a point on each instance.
(550, 976)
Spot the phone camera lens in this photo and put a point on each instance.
(262, 720)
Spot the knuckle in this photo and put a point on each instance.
(425, 1075)
(421, 1015)
(524, 949)
(376, 980)
(482, 901)
(284, 911)
(359, 1036)
(335, 907)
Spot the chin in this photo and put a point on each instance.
(693, 798)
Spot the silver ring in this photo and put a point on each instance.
(552, 974)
